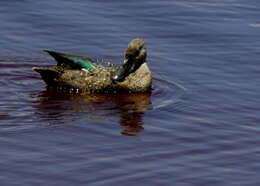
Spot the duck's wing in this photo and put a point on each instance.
(77, 62)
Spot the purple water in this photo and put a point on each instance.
(199, 125)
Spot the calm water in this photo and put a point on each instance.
(199, 125)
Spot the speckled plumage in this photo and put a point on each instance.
(99, 76)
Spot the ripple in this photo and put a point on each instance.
(166, 92)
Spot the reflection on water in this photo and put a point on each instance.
(54, 105)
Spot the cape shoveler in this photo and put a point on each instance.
(89, 75)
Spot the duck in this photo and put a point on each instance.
(90, 75)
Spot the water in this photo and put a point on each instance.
(199, 125)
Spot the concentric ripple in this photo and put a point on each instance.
(166, 92)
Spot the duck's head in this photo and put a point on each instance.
(135, 56)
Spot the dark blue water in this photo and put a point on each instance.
(199, 125)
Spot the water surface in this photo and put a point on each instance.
(198, 126)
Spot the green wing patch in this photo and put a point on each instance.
(82, 63)
(77, 62)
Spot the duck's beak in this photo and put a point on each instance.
(123, 71)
